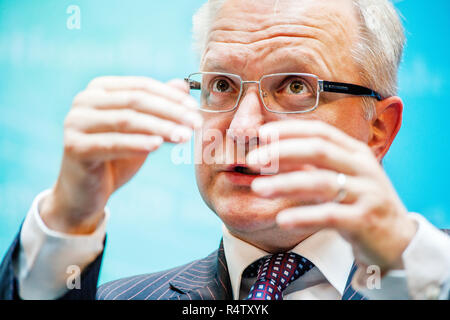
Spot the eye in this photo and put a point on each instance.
(221, 86)
(296, 86)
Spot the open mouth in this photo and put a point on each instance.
(245, 170)
(241, 175)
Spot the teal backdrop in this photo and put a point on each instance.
(159, 220)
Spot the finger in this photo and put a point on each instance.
(139, 101)
(179, 84)
(126, 121)
(311, 128)
(308, 186)
(292, 154)
(328, 215)
(152, 86)
(109, 146)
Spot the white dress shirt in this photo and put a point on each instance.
(45, 256)
(326, 249)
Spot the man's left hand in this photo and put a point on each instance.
(362, 205)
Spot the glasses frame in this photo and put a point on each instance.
(322, 86)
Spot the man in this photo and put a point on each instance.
(320, 76)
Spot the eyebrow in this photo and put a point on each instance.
(214, 66)
(282, 64)
(221, 65)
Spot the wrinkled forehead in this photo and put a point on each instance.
(275, 34)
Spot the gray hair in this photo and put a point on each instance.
(377, 54)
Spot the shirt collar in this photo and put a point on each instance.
(329, 252)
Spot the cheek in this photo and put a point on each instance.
(214, 125)
(347, 115)
(207, 141)
(204, 178)
(354, 124)
(219, 121)
(202, 175)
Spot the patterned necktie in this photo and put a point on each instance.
(275, 273)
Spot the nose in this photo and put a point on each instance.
(248, 117)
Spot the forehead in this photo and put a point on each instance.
(282, 36)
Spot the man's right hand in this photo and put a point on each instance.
(112, 127)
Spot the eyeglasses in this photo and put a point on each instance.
(280, 92)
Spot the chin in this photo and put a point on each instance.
(240, 209)
(250, 217)
(243, 211)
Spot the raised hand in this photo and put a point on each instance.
(112, 127)
(368, 211)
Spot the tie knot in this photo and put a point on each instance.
(275, 273)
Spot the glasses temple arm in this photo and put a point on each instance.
(193, 85)
(347, 88)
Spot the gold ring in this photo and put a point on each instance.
(342, 192)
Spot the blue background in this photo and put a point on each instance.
(158, 219)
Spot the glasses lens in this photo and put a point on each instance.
(215, 92)
(289, 93)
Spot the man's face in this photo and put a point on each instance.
(255, 38)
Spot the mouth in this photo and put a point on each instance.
(245, 170)
(241, 175)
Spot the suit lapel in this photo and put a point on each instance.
(349, 292)
(205, 279)
(208, 279)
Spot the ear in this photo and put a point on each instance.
(386, 125)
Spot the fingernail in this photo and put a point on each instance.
(181, 134)
(283, 218)
(195, 119)
(155, 141)
(262, 186)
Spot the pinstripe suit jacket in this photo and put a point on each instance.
(203, 279)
